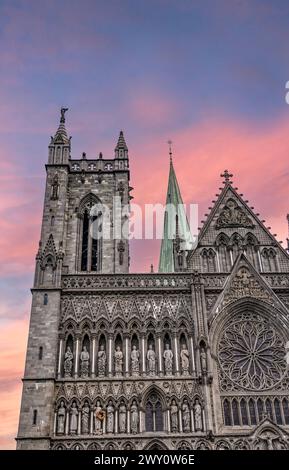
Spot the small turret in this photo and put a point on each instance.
(121, 150)
(59, 147)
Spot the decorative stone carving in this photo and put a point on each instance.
(84, 362)
(85, 413)
(134, 361)
(68, 358)
(55, 188)
(244, 284)
(118, 361)
(251, 353)
(61, 418)
(134, 417)
(101, 361)
(110, 417)
(186, 413)
(122, 418)
(151, 359)
(203, 359)
(185, 359)
(174, 416)
(198, 416)
(168, 360)
(233, 216)
(73, 419)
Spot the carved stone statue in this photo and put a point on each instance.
(62, 112)
(55, 187)
(203, 358)
(168, 359)
(61, 418)
(151, 358)
(122, 418)
(134, 361)
(118, 361)
(68, 358)
(186, 416)
(101, 361)
(85, 418)
(73, 419)
(185, 360)
(134, 418)
(198, 416)
(84, 362)
(174, 417)
(99, 415)
(110, 417)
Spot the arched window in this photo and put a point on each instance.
(227, 413)
(269, 409)
(252, 410)
(34, 420)
(222, 242)
(90, 233)
(277, 411)
(286, 410)
(235, 410)
(244, 413)
(154, 414)
(45, 299)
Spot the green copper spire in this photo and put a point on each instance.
(175, 208)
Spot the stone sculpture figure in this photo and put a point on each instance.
(203, 356)
(98, 418)
(168, 359)
(101, 361)
(185, 359)
(84, 362)
(134, 418)
(186, 416)
(110, 417)
(61, 418)
(151, 358)
(73, 419)
(174, 416)
(85, 418)
(122, 418)
(134, 360)
(198, 416)
(118, 361)
(68, 358)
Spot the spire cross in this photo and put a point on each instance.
(226, 175)
(170, 149)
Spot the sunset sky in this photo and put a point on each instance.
(208, 74)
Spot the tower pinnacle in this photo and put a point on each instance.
(121, 150)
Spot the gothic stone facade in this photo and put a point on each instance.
(189, 360)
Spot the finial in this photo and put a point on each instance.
(152, 268)
(170, 150)
(62, 113)
(226, 175)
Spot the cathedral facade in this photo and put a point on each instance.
(193, 357)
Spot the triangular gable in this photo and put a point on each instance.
(230, 211)
(244, 281)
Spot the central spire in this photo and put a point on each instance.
(175, 220)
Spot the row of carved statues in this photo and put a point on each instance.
(118, 361)
(109, 419)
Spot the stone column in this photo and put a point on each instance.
(116, 421)
(143, 355)
(140, 424)
(180, 420)
(169, 420)
(128, 421)
(67, 423)
(126, 371)
(110, 352)
(91, 422)
(76, 362)
(204, 420)
(192, 421)
(176, 353)
(60, 357)
(54, 422)
(192, 355)
(93, 357)
(160, 356)
(79, 422)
